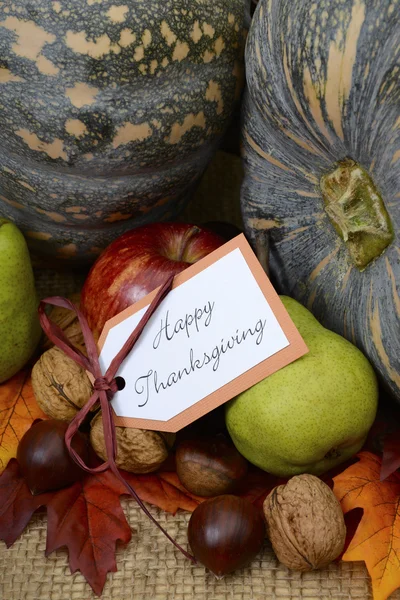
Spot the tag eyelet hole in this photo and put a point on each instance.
(120, 381)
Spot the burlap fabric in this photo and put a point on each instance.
(150, 568)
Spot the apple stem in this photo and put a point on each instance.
(187, 237)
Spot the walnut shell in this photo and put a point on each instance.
(138, 450)
(68, 322)
(60, 385)
(305, 523)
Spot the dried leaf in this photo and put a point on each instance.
(351, 520)
(391, 454)
(377, 538)
(17, 504)
(18, 410)
(257, 485)
(88, 519)
(176, 495)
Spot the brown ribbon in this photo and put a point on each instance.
(105, 386)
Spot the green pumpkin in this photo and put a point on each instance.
(321, 149)
(110, 112)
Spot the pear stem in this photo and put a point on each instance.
(262, 249)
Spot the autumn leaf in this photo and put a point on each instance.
(18, 410)
(257, 485)
(391, 454)
(351, 520)
(88, 519)
(377, 538)
(17, 504)
(174, 495)
(255, 488)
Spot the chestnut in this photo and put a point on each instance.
(44, 459)
(210, 466)
(225, 533)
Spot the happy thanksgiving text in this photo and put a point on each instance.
(191, 324)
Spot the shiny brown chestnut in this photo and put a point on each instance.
(210, 466)
(225, 533)
(44, 459)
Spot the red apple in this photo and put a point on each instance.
(139, 261)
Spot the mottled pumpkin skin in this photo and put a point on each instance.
(323, 85)
(110, 112)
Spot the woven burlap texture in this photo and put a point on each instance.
(149, 567)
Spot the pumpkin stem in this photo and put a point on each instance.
(357, 211)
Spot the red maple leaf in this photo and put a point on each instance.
(17, 504)
(391, 454)
(88, 519)
(257, 485)
(384, 438)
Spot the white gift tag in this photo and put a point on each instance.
(221, 329)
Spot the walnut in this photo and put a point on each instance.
(60, 385)
(138, 450)
(305, 523)
(67, 321)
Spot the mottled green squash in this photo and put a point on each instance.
(109, 112)
(321, 148)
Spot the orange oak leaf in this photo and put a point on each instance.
(377, 538)
(18, 410)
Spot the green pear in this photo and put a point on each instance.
(19, 323)
(314, 413)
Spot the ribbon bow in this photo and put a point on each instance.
(104, 387)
